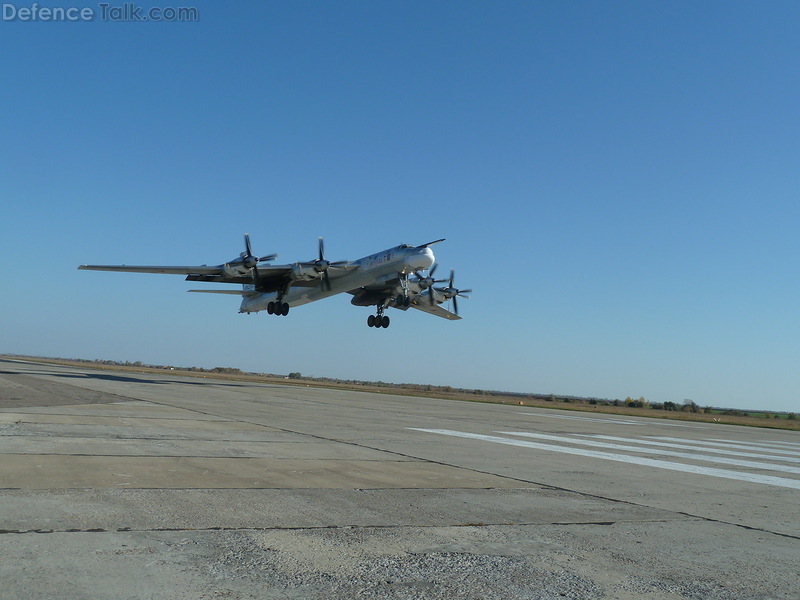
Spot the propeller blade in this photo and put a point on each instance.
(326, 279)
(247, 258)
(433, 269)
(455, 304)
(321, 249)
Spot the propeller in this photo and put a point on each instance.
(321, 265)
(451, 292)
(247, 258)
(425, 283)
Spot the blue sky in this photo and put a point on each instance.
(618, 182)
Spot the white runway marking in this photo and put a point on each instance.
(690, 445)
(661, 424)
(574, 418)
(792, 444)
(726, 445)
(643, 450)
(650, 421)
(624, 458)
(771, 446)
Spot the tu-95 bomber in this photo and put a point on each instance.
(392, 278)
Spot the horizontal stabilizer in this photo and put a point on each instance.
(231, 292)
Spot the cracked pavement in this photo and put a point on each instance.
(146, 486)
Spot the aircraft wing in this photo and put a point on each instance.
(377, 293)
(201, 270)
(435, 309)
(270, 277)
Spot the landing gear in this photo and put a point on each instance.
(379, 320)
(404, 299)
(278, 308)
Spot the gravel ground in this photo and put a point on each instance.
(397, 563)
(467, 562)
(374, 564)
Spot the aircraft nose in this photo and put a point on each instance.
(424, 259)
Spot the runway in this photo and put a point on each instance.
(239, 490)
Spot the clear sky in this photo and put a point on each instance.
(618, 182)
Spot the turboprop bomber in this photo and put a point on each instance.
(392, 278)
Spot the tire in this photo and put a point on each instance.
(384, 322)
(371, 321)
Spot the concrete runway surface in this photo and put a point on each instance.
(121, 485)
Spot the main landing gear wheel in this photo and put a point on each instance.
(278, 308)
(378, 321)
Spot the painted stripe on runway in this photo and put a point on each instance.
(690, 445)
(779, 446)
(650, 420)
(793, 444)
(574, 418)
(750, 464)
(724, 445)
(636, 460)
(657, 423)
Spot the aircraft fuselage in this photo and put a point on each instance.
(385, 265)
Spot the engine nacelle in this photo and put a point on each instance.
(438, 297)
(301, 273)
(367, 298)
(417, 286)
(236, 270)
